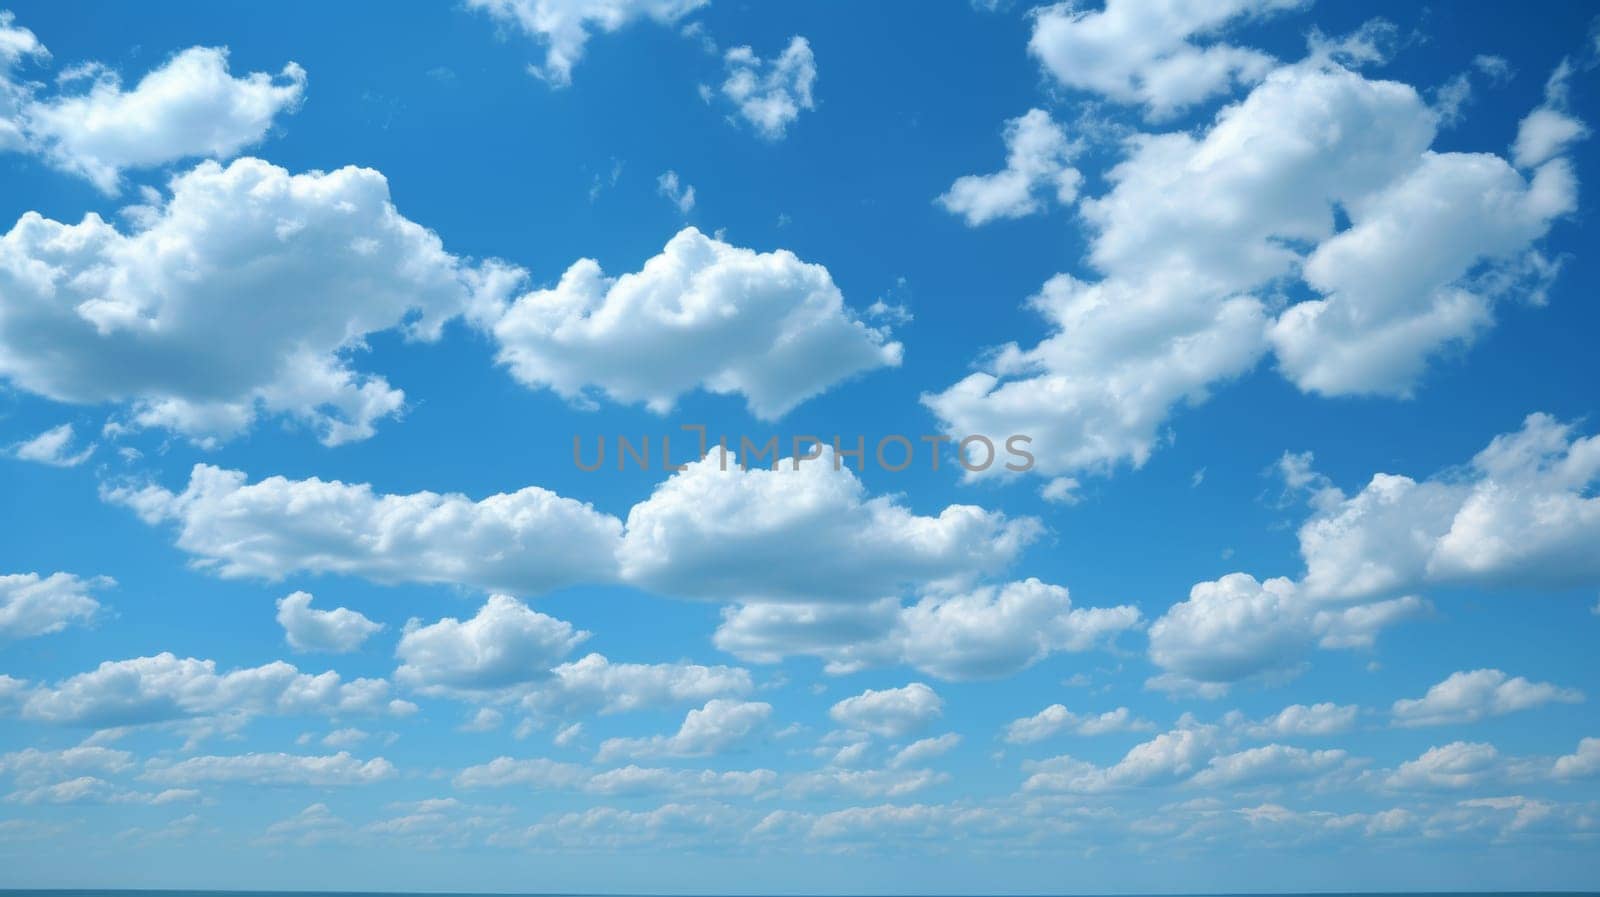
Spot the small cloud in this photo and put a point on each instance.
(53, 447)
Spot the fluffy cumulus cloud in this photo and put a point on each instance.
(1300, 720)
(164, 688)
(723, 724)
(1269, 764)
(595, 684)
(1162, 56)
(33, 767)
(528, 541)
(986, 632)
(33, 605)
(769, 94)
(169, 319)
(806, 534)
(703, 314)
(1057, 718)
(564, 26)
(1199, 234)
(1522, 512)
(54, 447)
(91, 126)
(505, 644)
(325, 771)
(1164, 759)
(1470, 696)
(1459, 764)
(889, 712)
(1549, 130)
(337, 631)
(1237, 628)
(1038, 157)
(549, 775)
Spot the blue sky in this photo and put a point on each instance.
(300, 586)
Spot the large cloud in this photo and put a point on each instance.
(1200, 236)
(524, 542)
(701, 315)
(165, 688)
(173, 316)
(505, 644)
(1522, 512)
(806, 534)
(188, 107)
(564, 26)
(984, 632)
(1469, 696)
(1143, 51)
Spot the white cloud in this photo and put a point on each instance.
(337, 631)
(1201, 236)
(1163, 759)
(890, 712)
(1237, 628)
(923, 750)
(1521, 513)
(1057, 718)
(331, 770)
(1038, 157)
(168, 317)
(1550, 130)
(702, 314)
(547, 775)
(164, 688)
(984, 632)
(92, 790)
(191, 106)
(90, 126)
(33, 605)
(1583, 762)
(721, 725)
(564, 26)
(1299, 720)
(526, 542)
(1268, 764)
(807, 535)
(32, 767)
(1142, 52)
(595, 684)
(1460, 764)
(770, 93)
(506, 644)
(1466, 697)
(53, 447)
(347, 737)
(680, 195)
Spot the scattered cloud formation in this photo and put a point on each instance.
(1144, 53)
(1056, 719)
(1467, 697)
(769, 94)
(53, 447)
(32, 605)
(1038, 161)
(563, 27)
(337, 631)
(890, 712)
(90, 126)
(721, 725)
(703, 314)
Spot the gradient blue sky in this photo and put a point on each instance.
(1289, 601)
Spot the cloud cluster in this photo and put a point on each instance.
(564, 26)
(702, 314)
(170, 316)
(1145, 53)
(90, 126)
(1203, 236)
(1038, 161)
(33, 605)
(769, 94)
